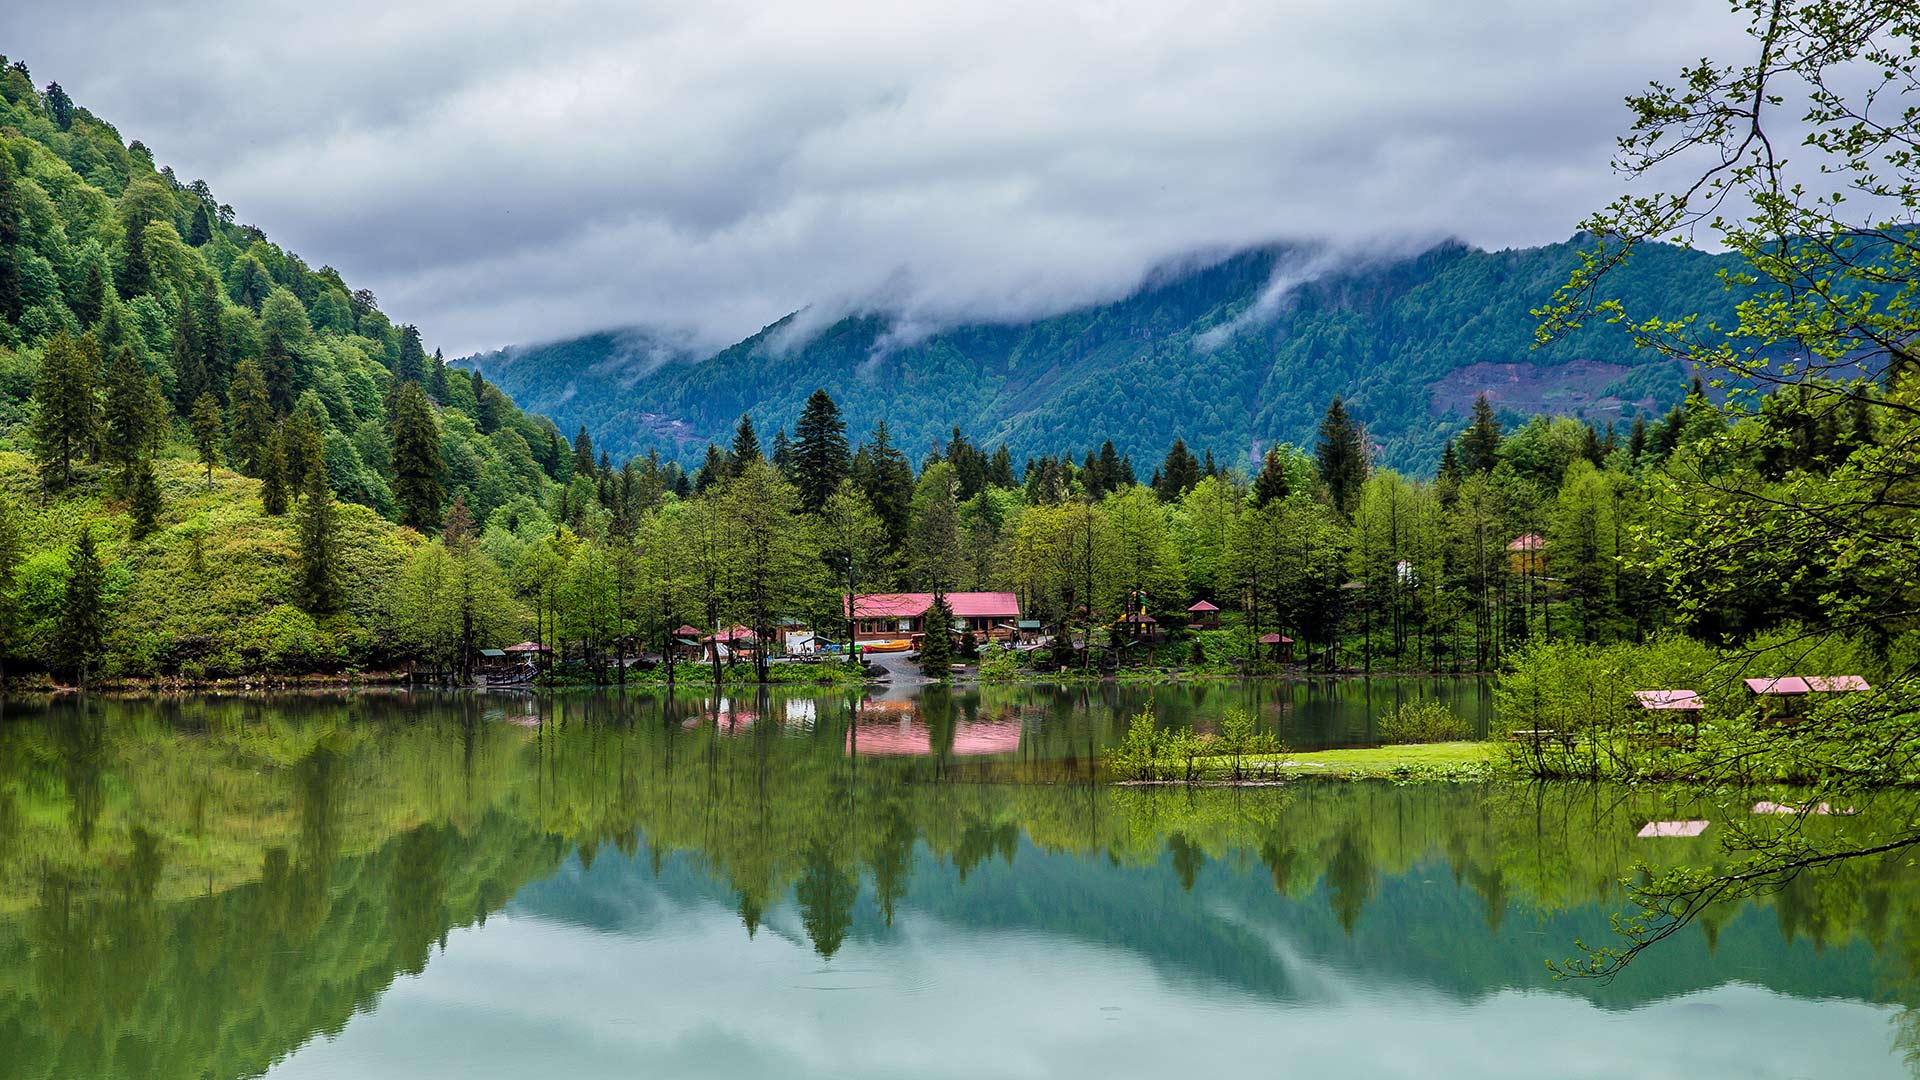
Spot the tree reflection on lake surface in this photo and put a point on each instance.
(387, 885)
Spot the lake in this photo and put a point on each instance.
(391, 884)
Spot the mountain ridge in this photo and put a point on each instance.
(1407, 340)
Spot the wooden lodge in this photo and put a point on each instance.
(988, 616)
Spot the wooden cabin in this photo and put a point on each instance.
(888, 616)
(1527, 554)
(1203, 616)
(1278, 647)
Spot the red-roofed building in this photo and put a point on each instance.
(882, 616)
(1279, 646)
(1203, 616)
(1527, 554)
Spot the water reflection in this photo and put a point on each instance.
(470, 885)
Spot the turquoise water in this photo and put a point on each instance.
(390, 885)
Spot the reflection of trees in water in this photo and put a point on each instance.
(265, 877)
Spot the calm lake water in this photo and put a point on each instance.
(424, 885)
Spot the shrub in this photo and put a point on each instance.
(998, 663)
(1423, 722)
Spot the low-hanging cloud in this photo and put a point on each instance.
(505, 173)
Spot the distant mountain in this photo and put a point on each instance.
(1231, 356)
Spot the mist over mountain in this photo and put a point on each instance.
(1230, 354)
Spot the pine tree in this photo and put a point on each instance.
(1637, 439)
(302, 447)
(1342, 456)
(80, 630)
(273, 473)
(276, 367)
(11, 217)
(437, 378)
(144, 502)
(712, 471)
(782, 457)
(1271, 484)
(318, 578)
(821, 458)
(208, 427)
(134, 415)
(936, 641)
(65, 417)
(1480, 445)
(201, 230)
(746, 446)
(416, 458)
(486, 404)
(886, 479)
(213, 350)
(134, 275)
(252, 414)
(59, 107)
(1178, 473)
(458, 529)
(1000, 471)
(583, 454)
(412, 365)
(189, 369)
(1208, 467)
(1110, 469)
(91, 301)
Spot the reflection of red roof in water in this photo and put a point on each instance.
(916, 740)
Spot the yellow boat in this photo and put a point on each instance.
(896, 645)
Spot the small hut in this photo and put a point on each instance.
(1527, 554)
(1277, 647)
(1203, 616)
(1678, 705)
(1140, 626)
(1787, 698)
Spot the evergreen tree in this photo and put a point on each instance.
(144, 502)
(201, 230)
(886, 479)
(273, 473)
(1208, 467)
(712, 471)
(821, 458)
(303, 448)
(416, 458)
(437, 378)
(1480, 446)
(64, 418)
(208, 427)
(412, 364)
(252, 414)
(316, 572)
(458, 529)
(1449, 471)
(189, 368)
(80, 630)
(11, 220)
(583, 454)
(746, 446)
(1342, 457)
(135, 414)
(936, 641)
(782, 458)
(1111, 477)
(213, 348)
(134, 275)
(1271, 485)
(59, 107)
(486, 404)
(1178, 473)
(1637, 439)
(1000, 470)
(276, 367)
(91, 301)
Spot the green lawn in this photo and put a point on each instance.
(1383, 760)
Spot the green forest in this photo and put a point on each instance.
(1400, 339)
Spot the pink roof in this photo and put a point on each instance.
(1203, 606)
(965, 605)
(732, 633)
(1275, 639)
(686, 631)
(1686, 700)
(527, 646)
(1812, 684)
(1528, 542)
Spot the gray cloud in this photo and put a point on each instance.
(505, 173)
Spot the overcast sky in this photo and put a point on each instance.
(504, 173)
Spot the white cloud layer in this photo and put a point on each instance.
(511, 173)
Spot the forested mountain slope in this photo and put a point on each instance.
(1209, 355)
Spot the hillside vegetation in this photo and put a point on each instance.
(1408, 343)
